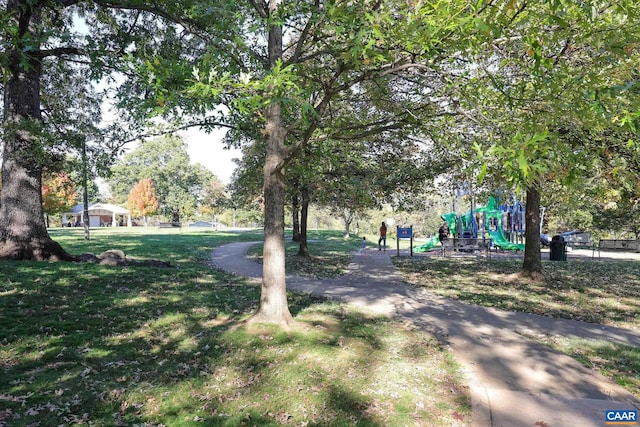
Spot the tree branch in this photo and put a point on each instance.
(261, 8)
(191, 25)
(66, 3)
(199, 123)
(59, 51)
(303, 36)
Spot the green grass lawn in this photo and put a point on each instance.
(602, 292)
(98, 345)
(330, 255)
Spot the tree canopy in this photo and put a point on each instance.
(529, 93)
(50, 107)
(58, 193)
(142, 200)
(178, 184)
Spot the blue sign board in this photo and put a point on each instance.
(404, 233)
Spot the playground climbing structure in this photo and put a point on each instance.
(503, 224)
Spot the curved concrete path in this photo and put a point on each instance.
(514, 381)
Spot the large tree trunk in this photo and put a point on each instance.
(304, 220)
(273, 300)
(347, 218)
(532, 265)
(274, 307)
(295, 208)
(23, 231)
(85, 193)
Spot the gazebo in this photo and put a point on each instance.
(100, 215)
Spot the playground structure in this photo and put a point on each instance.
(503, 225)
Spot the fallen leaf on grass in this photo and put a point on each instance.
(34, 411)
(10, 398)
(117, 393)
(457, 416)
(280, 417)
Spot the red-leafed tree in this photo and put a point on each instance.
(142, 200)
(58, 194)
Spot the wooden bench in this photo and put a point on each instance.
(467, 244)
(579, 241)
(170, 225)
(583, 245)
(618, 245)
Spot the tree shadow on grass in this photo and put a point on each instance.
(591, 291)
(112, 346)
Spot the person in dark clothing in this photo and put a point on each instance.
(443, 235)
(383, 237)
(443, 232)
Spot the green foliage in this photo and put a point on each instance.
(69, 63)
(331, 49)
(247, 181)
(618, 214)
(177, 184)
(549, 86)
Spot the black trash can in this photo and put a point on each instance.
(557, 249)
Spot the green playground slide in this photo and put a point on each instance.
(498, 239)
(450, 218)
(431, 243)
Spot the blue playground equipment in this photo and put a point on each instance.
(503, 224)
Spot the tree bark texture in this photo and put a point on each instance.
(295, 209)
(85, 193)
(532, 264)
(23, 231)
(347, 218)
(274, 307)
(306, 199)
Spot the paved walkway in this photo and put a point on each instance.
(514, 381)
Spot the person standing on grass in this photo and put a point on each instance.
(383, 237)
